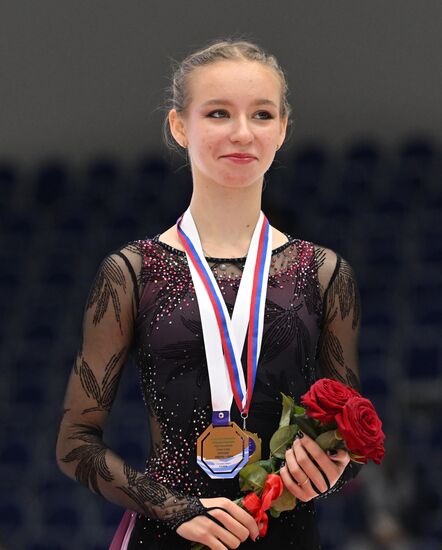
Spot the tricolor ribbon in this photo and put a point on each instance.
(248, 313)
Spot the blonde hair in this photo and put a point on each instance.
(177, 96)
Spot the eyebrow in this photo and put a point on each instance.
(227, 102)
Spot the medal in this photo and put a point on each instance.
(221, 453)
(254, 447)
(222, 450)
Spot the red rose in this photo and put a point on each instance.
(361, 428)
(325, 399)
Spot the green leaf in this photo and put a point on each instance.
(327, 440)
(276, 463)
(267, 465)
(327, 427)
(285, 502)
(252, 478)
(274, 513)
(287, 407)
(282, 439)
(305, 424)
(299, 410)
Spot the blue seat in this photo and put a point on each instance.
(151, 168)
(18, 232)
(8, 182)
(40, 331)
(430, 245)
(28, 395)
(372, 359)
(132, 450)
(25, 365)
(428, 314)
(383, 320)
(392, 208)
(339, 213)
(14, 456)
(375, 386)
(58, 278)
(44, 545)
(11, 517)
(361, 164)
(70, 234)
(61, 517)
(51, 182)
(425, 291)
(102, 180)
(10, 286)
(124, 227)
(423, 362)
(416, 156)
(102, 175)
(110, 514)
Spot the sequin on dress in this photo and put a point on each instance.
(143, 302)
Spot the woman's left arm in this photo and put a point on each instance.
(309, 471)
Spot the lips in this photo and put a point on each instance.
(240, 156)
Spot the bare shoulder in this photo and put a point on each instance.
(170, 237)
(278, 237)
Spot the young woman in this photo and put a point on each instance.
(230, 112)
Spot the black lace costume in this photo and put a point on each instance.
(143, 302)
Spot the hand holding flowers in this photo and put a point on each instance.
(311, 449)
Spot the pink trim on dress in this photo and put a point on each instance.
(124, 531)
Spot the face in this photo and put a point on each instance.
(237, 122)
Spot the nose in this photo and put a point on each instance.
(241, 131)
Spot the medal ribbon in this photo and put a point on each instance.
(248, 313)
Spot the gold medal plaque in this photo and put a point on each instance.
(222, 450)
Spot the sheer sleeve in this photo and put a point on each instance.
(107, 339)
(337, 350)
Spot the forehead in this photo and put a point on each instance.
(234, 79)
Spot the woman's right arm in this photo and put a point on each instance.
(107, 335)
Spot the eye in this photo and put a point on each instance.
(266, 113)
(214, 112)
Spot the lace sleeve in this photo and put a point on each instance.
(337, 351)
(107, 338)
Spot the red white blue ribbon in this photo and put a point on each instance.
(224, 336)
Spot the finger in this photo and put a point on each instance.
(290, 483)
(294, 468)
(241, 515)
(341, 456)
(215, 544)
(310, 468)
(201, 529)
(231, 524)
(316, 454)
(244, 517)
(223, 535)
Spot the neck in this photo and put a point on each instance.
(226, 218)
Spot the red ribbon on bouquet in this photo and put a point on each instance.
(257, 506)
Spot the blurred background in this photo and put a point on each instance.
(83, 170)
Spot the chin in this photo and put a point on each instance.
(241, 184)
(230, 178)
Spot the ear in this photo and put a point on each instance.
(283, 130)
(177, 128)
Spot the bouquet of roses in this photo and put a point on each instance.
(336, 417)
